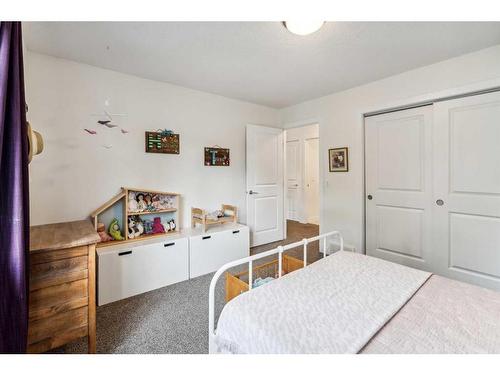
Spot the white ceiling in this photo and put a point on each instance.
(260, 62)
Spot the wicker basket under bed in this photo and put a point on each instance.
(238, 283)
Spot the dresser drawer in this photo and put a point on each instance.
(50, 256)
(57, 272)
(45, 334)
(47, 302)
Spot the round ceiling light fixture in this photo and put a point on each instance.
(303, 27)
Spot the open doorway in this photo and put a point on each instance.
(302, 174)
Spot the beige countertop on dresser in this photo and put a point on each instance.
(62, 235)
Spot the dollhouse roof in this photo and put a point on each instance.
(109, 203)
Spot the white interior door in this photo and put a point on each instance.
(264, 170)
(311, 172)
(398, 149)
(466, 200)
(293, 180)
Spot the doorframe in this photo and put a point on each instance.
(478, 88)
(293, 125)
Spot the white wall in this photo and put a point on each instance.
(341, 124)
(300, 134)
(75, 174)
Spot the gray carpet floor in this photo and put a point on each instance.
(173, 319)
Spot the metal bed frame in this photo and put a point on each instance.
(250, 259)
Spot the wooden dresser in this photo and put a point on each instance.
(62, 285)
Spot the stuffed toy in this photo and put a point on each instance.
(101, 231)
(158, 226)
(139, 225)
(168, 202)
(141, 204)
(133, 230)
(114, 230)
(132, 202)
(148, 226)
(171, 224)
(149, 202)
(156, 202)
(164, 202)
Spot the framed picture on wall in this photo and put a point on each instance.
(338, 159)
(216, 157)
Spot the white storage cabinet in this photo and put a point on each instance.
(219, 245)
(124, 271)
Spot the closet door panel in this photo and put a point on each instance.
(467, 181)
(475, 241)
(400, 147)
(398, 186)
(408, 238)
(474, 148)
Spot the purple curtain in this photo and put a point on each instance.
(14, 199)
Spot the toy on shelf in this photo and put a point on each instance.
(137, 207)
(227, 214)
(135, 227)
(143, 202)
(114, 230)
(171, 225)
(148, 226)
(101, 231)
(158, 226)
(132, 202)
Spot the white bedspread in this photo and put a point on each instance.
(335, 305)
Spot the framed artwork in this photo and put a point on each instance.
(216, 157)
(338, 159)
(159, 143)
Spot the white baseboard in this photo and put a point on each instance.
(334, 244)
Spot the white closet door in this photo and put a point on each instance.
(398, 186)
(467, 181)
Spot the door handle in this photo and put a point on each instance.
(251, 192)
(439, 202)
(369, 197)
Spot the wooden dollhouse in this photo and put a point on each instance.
(158, 209)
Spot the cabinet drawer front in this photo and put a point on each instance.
(204, 254)
(47, 302)
(240, 240)
(57, 272)
(209, 254)
(141, 269)
(57, 325)
(51, 256)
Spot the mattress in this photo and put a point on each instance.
(351, 303)
(335, 305)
